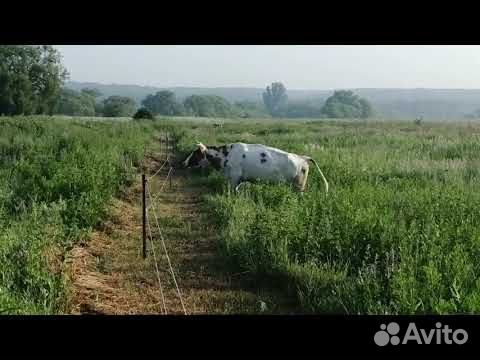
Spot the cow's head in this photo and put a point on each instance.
(197, 158)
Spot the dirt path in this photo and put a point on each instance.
(109, 275)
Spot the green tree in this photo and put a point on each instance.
(95, 93)
(345, 104)
(209, 106)
(367, 109)
(7, 106)
(304, 109)
(163, 103)
(75, 103)
(197, 105)
(31, 78)
(251, 109)
(99, 107)
(178, 109)
(275, 99)
(22, 95)
(93, 96)
(118, 106)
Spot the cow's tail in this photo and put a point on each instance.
(308, 158)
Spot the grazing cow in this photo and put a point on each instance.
(248, 162)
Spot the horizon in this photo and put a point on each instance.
(259, 87)
(302, 67)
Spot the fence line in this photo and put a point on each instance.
(156, 267)
(166, 253)
(170, 171)
(152, 209)
(156, 172)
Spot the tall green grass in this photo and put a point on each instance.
(57, 177)
(397, 234)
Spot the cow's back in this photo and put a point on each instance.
(256, 161)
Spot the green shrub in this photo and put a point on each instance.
(143, 113)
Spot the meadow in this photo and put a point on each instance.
(398, 232)
(57, 177)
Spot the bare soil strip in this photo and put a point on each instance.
(109, 276)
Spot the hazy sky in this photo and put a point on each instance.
(298, 67)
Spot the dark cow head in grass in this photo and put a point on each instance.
(207, 155)
(197, 158)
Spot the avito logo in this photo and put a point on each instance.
(390, 334)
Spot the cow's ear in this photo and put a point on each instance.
(202, 147)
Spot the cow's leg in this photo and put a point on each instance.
(237, 188)
(235, 180)
(300, 180)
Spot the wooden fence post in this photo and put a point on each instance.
(161, 145)
(144, 217)
(166, 146)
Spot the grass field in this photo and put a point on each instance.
(56, 179)
(398, 232)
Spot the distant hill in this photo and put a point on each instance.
(438, 104)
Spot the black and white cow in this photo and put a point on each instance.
(242, 162)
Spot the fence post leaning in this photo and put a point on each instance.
(144, 217)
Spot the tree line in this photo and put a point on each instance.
(32, 79)
(342, 104)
